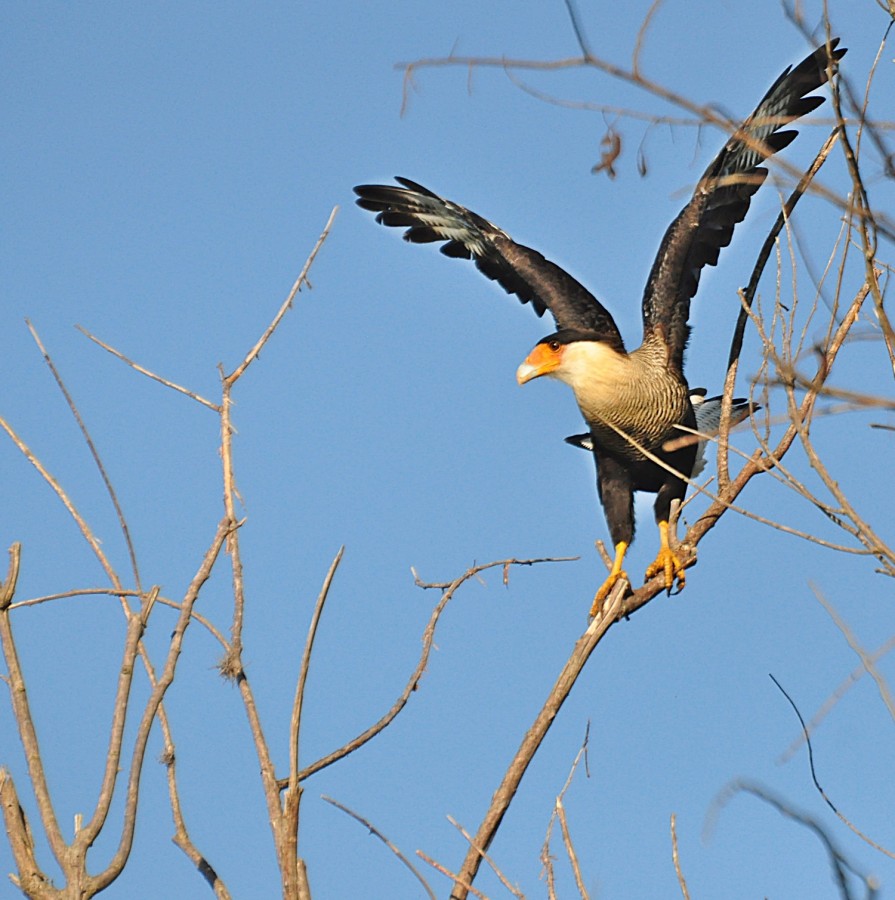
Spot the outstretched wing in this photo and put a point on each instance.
(518, 270)
(721, 200)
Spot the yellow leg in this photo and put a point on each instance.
(615, 573)
(667, 562)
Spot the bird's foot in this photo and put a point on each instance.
(605, 589)
(668, 563)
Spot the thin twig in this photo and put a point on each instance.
(377, 833)
(675, 858)
(747, 296)
(844, 819)
(559, 814)
(570, 848)
(488, 859)
(144, 371)
(827, 706)
(302, 279)
(295, 724)
(118, 594)
(706, 113)
(181, 836)
(88, 440)
(457, 879)
(641, 36)
(413, 682)
(292, 799)
(56, 487)
(868, 226)
(839, 862)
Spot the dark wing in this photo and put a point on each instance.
(518, 270)
(721, 200)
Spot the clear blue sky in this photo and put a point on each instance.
(167, 168)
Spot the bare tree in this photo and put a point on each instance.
(801, 343)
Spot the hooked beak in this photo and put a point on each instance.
(541, 361)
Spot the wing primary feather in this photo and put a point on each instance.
(519, 270)
(722, 197)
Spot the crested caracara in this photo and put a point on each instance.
(636, 404)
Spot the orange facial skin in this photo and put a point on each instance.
(544, 359)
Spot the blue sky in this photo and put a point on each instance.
(167, 170)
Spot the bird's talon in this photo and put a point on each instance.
(668, 563)
(605, 589)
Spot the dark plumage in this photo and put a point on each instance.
(635, 403)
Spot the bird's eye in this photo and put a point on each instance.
(554, 346)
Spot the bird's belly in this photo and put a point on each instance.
(637, 424)
(623, 438)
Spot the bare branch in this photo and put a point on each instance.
(747, 297)
(570, 848)
(494, 867)
(9, 584)
(85, 837)
(706, 113)
(181, 836)
(413, 682)
(676, 860)
(24, 720)
(288, 822)
(559, 814)
(80, 521)
(820, 790)
(641, 36)
(826, 707)
(88, 440)
(504, 794)
(231, 664)
(253, 354)
(30, 879)
(467, 885)
(839, 862)
(144, 371)
(377, 833)
(295, 724)
(867, 224)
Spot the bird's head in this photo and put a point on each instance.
(574, 357)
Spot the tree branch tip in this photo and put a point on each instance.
(148, 603)
(428, 585)
(8, 586)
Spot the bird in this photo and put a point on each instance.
(634, 403)
(708, 424)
